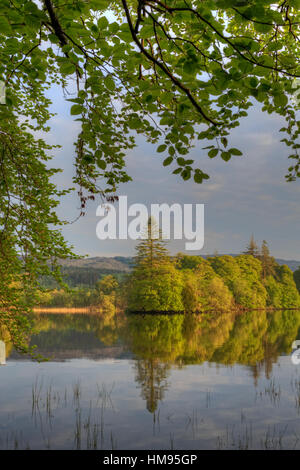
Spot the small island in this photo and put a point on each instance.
(159, 282)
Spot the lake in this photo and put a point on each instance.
(212, 381)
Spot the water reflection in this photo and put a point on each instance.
(163, 356)
(255, 338)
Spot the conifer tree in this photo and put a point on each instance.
(252, 248)
(151, 250)
(268, 262)
(155, 283)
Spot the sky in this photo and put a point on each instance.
(247, 195)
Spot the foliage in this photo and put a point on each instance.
(76, 297)
(242, 276)
(268, 262)
(290, 295)
(203, 288)
(297, 278)
(189, 283)
(252, 248)
(155, 283)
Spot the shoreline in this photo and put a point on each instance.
(66, 310)
(94, 310)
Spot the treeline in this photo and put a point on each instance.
(80, 277)
(191, 283)
(105, 295)
(160, 282)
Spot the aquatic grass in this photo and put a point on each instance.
(113, 441)
(171, 441)
(76, 393)
(193, 422)
(240, 440)
(272, 390)
(36, 394)
(78, 429)
(209, 399)
(273, 438)
(295, 384)
(104, 394)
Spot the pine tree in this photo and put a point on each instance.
(155, 283)
(268, 262)
(252, 248)
(151, 250)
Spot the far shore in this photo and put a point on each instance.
(64, 310)
(94, 310)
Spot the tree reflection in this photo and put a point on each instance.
(151, 376)
(161, 342)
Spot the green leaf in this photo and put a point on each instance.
(235, 151)
(186, 174)
(280, 100)
(77, 109)
(171, 151)
(109, 83)
(181, 161)
(167, 161)
(134, 123)
(213, 153)
(198, 178)
(226, 156)
(101, 164)
(224, 141)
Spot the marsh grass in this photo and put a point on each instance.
(209, 399)
(104, 395)
(272, 391)
(91, 428)
(273, 439)
(194, 422)
(236, 437)
(295, 384)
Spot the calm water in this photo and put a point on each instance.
(217, 381)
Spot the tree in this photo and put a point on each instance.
(268, 262)
(290, 295)
(179, 72)
(151, 251)
(242, 275)
(252, 248)
(106, 290)
(155, 283)
(203, 288)
(297, 278)
(107, 285)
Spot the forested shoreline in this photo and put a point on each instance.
(160, 282)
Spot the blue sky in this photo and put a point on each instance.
(246, 195)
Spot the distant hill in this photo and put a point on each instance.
(118, 263)
(87, 271)
(123, 263)
(292, 264)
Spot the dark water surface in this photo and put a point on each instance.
(217, 381)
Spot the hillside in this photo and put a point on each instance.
(122, 263)
(118, 263)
